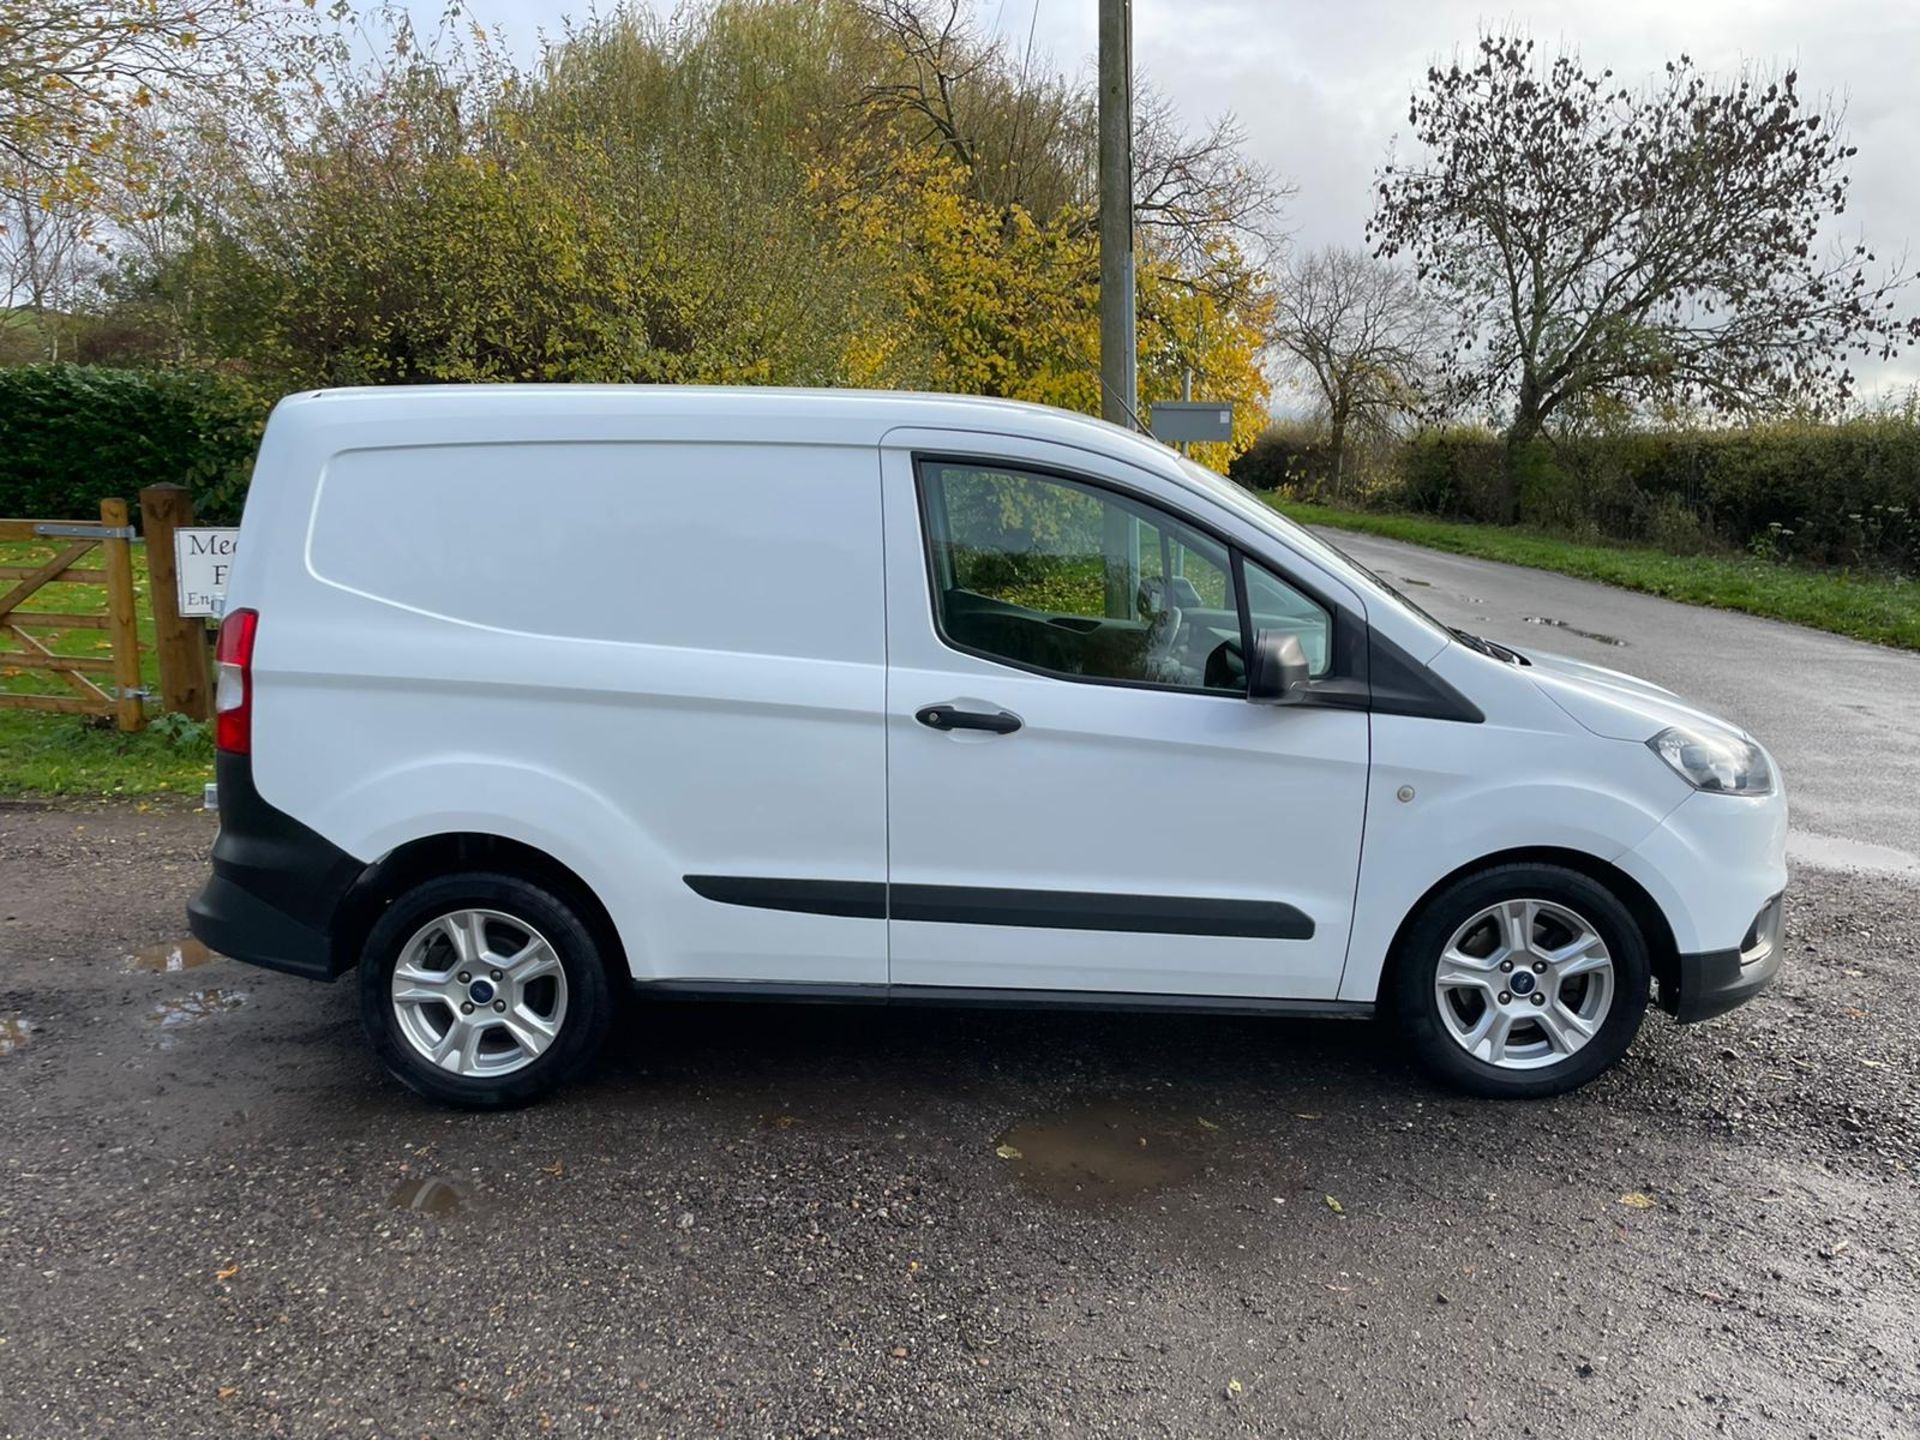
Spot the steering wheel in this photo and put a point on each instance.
(1162, 636)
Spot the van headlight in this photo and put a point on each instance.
(1715, 760)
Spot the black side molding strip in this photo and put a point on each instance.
(1125, 1001)
(1096, 910)
(1036, 909)
(856, 899)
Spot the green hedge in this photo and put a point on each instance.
(71, 434)
(1286, 454)
(1832, 494)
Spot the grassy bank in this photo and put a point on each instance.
(1884, 611)
(46, 754)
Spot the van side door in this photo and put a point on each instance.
(1080, 797)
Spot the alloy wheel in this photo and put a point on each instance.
(1524, 984)
(479, 993)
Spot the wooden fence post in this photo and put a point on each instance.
(179, 642)
(122, 626)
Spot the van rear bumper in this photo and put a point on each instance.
(230, 920)
(276, 887)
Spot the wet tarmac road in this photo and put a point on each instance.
(1841, 717)
(217, 1218)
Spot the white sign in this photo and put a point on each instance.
(202, 561)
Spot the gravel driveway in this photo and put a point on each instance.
(217, 1217)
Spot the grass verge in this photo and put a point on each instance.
(44, 754)
(1884, 611)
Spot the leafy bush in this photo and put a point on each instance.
(1453, 472)
(1288, 455)
(72, 434)
(1832, 494)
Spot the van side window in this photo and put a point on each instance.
(1049, 574)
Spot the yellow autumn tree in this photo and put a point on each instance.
(966, 296)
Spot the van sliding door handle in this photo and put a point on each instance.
(949, 717)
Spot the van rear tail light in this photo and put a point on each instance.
(233, 690)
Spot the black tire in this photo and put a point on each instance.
(589, 1002)
(1416, 1007)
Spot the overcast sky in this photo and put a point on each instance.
(1321, 86)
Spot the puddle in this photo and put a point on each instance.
(14, 1032)
(428, 1195)
(174, 955)
(1830, 852)
(194, 1006)
(1573, 629)
(1100, 1155)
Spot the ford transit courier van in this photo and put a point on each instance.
(532, 695)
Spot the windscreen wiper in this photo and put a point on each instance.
(1488, 647)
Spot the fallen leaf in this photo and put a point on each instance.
(227, 1392)
(1305, 1115)
(786, 1122)
(1206, 1124)
(1634, 1200)
(556, 1169)
(899, 1352)
(1008, 1152)
(226, 1274)
(1233, 1387)
(1335, 1206)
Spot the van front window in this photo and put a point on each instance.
(1303, 540)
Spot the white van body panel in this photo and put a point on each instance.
(658, 633)
(1532, 777)
(645, 658)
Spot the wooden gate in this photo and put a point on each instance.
(73, 540)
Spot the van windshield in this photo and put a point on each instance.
(1304, 540)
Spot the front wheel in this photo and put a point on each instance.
(483, 990)
(1521, 981)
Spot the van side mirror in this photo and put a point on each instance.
(1277, 673)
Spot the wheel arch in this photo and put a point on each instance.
(408, 865)
(1662, 950)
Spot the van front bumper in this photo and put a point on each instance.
(276, 886)
(1716, 867)
(1715, 981)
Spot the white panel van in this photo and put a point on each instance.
(531, 695)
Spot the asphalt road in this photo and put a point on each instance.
(1842, 717)
(217, 1218)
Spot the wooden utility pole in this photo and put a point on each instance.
(1118, 401)
(179, 641)
(1120, 537)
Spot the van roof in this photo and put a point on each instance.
(854, 416)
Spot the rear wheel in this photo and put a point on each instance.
(1521, 981)
(483, 990)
